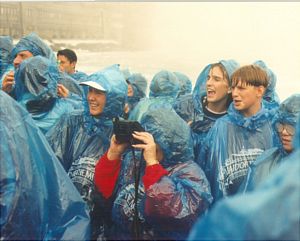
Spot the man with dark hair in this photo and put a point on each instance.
(67, 60)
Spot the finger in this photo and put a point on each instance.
(144, 135)
(140, 146)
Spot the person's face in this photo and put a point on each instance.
(247, 98)
(65, 65)
(217, 87)
(21, 56)
(130, 90)
(96, 99)
(286, 133)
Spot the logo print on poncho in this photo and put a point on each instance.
(235, 169)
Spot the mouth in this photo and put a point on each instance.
(210, 92)
(93, 106)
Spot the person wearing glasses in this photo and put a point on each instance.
(284, 124)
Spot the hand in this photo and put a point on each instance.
(116, 149)
(149, 147)
(8, 82)
(62, 91)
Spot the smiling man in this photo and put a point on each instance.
(236, 139)
(81, 137)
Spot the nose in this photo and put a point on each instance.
(284, 132)
(17, 61)
(234, 92)
(91, 95)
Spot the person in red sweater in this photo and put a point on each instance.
(173, 190)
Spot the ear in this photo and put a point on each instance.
(73, 64)
(229, 90)
(260, 91)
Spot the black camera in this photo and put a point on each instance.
(123, 130)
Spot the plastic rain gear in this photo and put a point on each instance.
(270, 98)
(168, 208)
(261, 168)
(270, 212)
(79, 76)
(34, 44)
(164, 89)
(139, 86)
(185, 84)
(36, 90)
(190, 107)
(79, 139)
(231, 145)
(6, 45)
(38, 200)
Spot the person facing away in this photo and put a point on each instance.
(81, 137)
(6, 46)
(237, 138)
(137, 86)
(284, 123)
(185, 84)
(67, 60)
(37, 79)
(164, 89)
(271, 98)
(38, 201)
(173, 190)
(209, 101)
(269, 212)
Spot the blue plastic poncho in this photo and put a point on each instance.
(164, 83)
(261, 168)
(6, 45)
(169, 207)
(185, 83)
(231, 145)
(38, 200)
(139, 86)
(190, 107)
(79, 139)
(271, 212)
(34, 44)
(164, 89)
(270, 98)
(36, 90)
(79, 76)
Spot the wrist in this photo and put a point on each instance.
(152, 162)
(113, 155)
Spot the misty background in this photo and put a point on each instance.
(177, 36)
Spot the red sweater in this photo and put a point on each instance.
(107, 172)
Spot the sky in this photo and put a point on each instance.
(244, 31)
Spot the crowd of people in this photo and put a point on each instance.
(213, 161)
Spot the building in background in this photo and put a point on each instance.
(98, 25)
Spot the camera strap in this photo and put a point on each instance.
(137, 174)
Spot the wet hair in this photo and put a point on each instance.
(69, 54)
(221, 66)
(250, 75)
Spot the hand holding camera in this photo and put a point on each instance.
(132, 133)
(148, 145)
